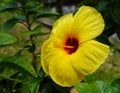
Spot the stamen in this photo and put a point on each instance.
(65, 46)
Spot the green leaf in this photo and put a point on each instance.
(41, 73)
(94, 87)
(25, 89)
(46, 14)
(22, 65)
(1, 57)
(8, 78)
(6, 1)
(33, 32)
(116, 14)
(103, 39)
(7, 72)
(108, 21)
(101, 5)
(86, 2)
(22, 88)
(9, 24)
(117, 29)
(33, 85)
(33, 5)
(6, 39)
(20, 18)
(116, 85)
(31, 49)
(48, 87)
(102, 86)
(99, 87)
(8, 6)
(81, 88)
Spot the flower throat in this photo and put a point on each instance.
(71, 45)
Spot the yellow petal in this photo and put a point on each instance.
(89, 56)
(55, 61)
(62, 27)
(43, 53)
(88, 23)
(62, 73)
(49, 46)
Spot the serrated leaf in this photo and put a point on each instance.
(9, 24)
(6, 39)
(22, 65)
(116, 14)
(8, 6)
(46, 14)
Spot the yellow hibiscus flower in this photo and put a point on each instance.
(70, 53)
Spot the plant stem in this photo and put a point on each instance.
(29, 27)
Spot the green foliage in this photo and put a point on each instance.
(8, 7)
(33, 85)
(35, 31)
(101, 5)
(18, 74)
(6, 39)
(99, 87)
(9, 24)
(116, 13)
(103, 39)
(20, 64)
(46, 14)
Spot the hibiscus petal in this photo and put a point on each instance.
(55, 61)
(43, 53)
(62, 27)
(62, 73)
(88, 23)
(89, 56)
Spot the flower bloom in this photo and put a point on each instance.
(70, 53)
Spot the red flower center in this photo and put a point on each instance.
(71, 45)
